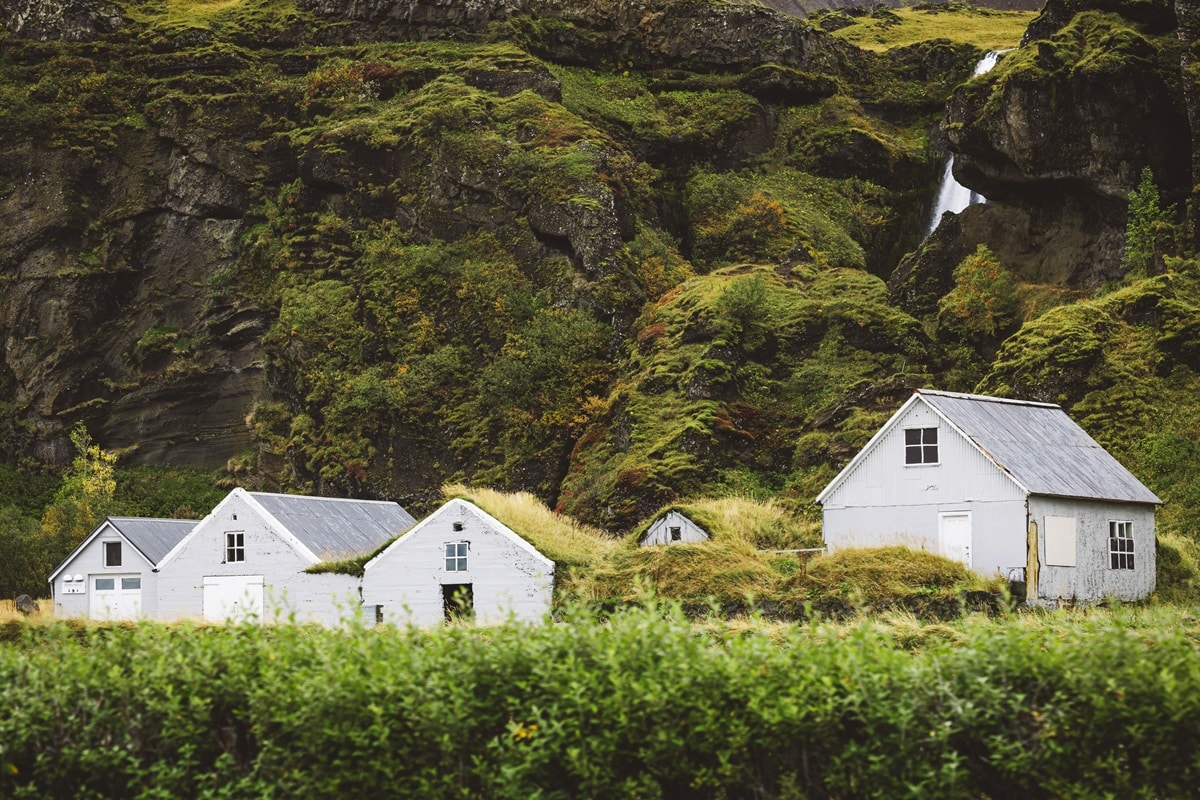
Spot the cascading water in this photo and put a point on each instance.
(952, 195)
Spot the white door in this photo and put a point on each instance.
(233, 598)
(115, 596)
(954, 530)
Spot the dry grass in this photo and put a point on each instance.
(8, 611)
(561, 539)
(764, 525)
(879, 575)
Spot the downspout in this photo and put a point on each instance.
(1031, 556)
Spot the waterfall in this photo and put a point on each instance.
(952, 195)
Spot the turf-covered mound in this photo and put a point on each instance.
(764, 524)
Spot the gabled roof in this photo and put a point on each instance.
(152, 538)
(459, 505)
(1036, 444)
(334, 527)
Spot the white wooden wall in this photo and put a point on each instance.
(287, 590)
(885, 501)
(1092, 578)
(89, 562)
(507, 576)
(660, 531)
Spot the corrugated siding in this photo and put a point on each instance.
(334, 528)
(1042, 447)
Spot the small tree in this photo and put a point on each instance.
(83, 500)
(21, 567)
(1143, 226)
(983, 301)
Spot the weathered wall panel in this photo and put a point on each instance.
(660, 532)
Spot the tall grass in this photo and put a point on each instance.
(763, 524)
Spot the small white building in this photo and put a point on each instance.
(247, 559)
(458, 562)
(672, 527)
(1005, 486)
(110, 575)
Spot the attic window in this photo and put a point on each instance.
(1120, 545)
(676, 534)
(920, 446)
(235, 547)
(112, 554)
(456, 557)
(458, 526)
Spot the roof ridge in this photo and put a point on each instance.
(321, 498)
(987, 398)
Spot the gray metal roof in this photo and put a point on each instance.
(153, 537)
(335, 528)
(1040, 446)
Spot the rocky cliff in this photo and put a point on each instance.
(610, 252)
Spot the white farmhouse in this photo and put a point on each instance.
(247, 559)
(1005, 486)
(672, 527)
(110, 575)
(458, 562)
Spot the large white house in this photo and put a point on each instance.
(1005, 486)
(110, 575)
(458, 562)
(247, 559)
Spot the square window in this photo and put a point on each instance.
(112, 554)
(920, 446)
(235, 546)
(456, 557)
(676, 534)
(1120, 544)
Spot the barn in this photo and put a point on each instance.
(1008, 487)
(248, 559)
(459, 562)
(111, 574)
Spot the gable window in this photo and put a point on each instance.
(235, 547)
(112, 554)
(920, 446)
(1120, 544)
(676, 534)
(456, 557)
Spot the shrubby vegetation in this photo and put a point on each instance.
(643, 703)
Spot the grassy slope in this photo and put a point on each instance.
(889, 28)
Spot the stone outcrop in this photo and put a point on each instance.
(68, 20)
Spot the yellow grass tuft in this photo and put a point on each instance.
(879, 575)
(984, 28)
(762, 524)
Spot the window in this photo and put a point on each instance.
(131, 583)
(458, 526)
(676, 534)
(105, 584)
(920, 446)
(1120, 545)
(456, 557)
(235, 547)
(112, 554)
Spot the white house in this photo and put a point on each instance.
(110, 575)
(1005, 486)
(247, 559)
(459, 561)
(673, 527)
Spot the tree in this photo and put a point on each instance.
(1143, 227)
(83, 500)
(21, 561)
(983, 302)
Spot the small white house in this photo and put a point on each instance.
(673, 527)
(458, 562)
(1005, 486)
(110, 575)
(247, 559)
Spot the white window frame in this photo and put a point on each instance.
(455, 554)
(1120, 544)
(235, 547)
(921, 447)
(113, 547)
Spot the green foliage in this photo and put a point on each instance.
(1143, 229)
(83, 500)
(21, 557)
(1060, 705)
(983, 302)
(166, 492)
(985, 28)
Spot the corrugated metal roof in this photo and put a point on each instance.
(1040, 446)
(336, 528)
(154, 537)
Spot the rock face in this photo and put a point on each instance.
(69, 20)
(1056, 138)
